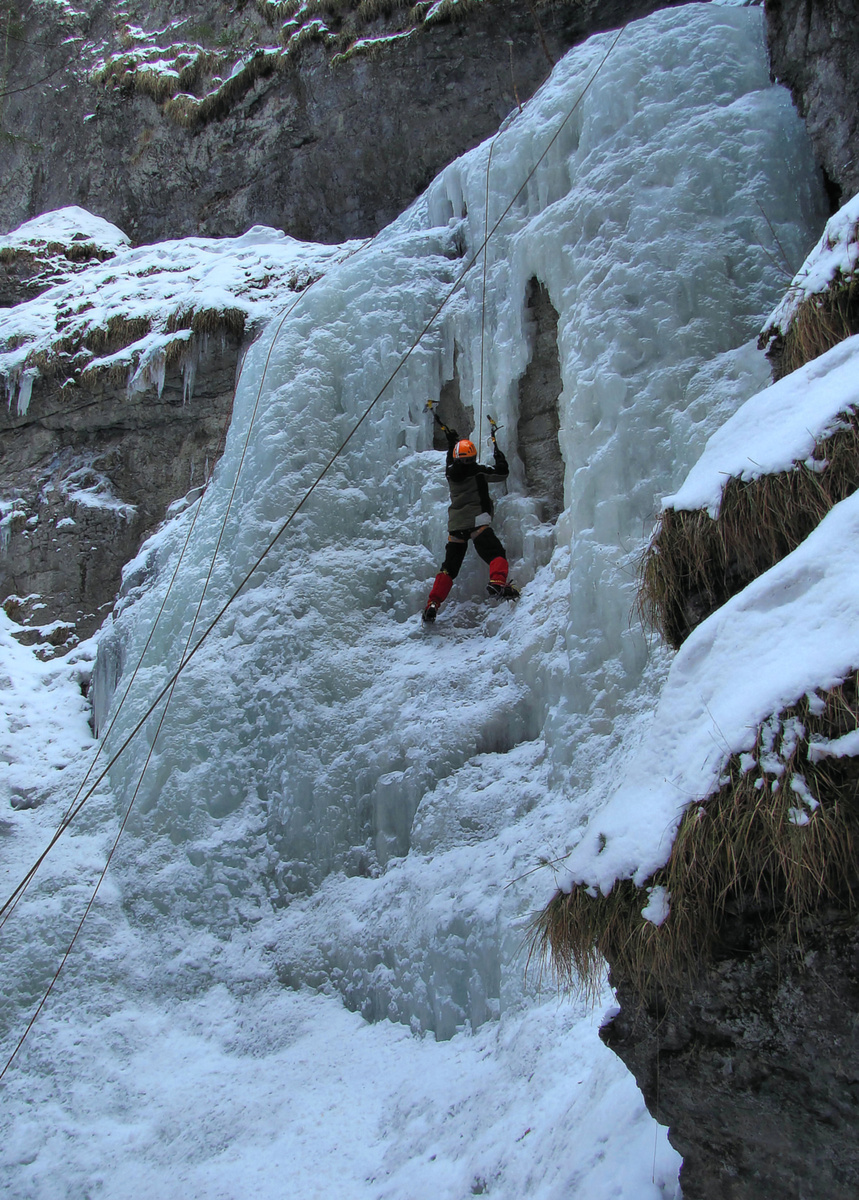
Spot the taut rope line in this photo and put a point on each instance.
(483, 300)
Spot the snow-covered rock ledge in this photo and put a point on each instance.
(128, 319)
(766, 478)
(821, 306)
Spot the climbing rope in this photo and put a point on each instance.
(483, 299)
(187, 657)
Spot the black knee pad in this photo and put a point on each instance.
(488, 546)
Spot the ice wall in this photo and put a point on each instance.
(326, 759)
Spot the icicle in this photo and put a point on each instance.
(24, 390)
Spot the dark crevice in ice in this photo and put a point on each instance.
(539, 392)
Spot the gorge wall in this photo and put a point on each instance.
(755, 1066)
(279, 134)
(813, 52)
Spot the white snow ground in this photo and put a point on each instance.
(344, 807)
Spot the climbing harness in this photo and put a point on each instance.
(188, 655)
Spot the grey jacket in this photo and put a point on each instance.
(469, 490)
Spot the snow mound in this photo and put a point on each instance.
(63, 229)
(776, 428)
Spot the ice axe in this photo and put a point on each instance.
(493, 429)
(431, 408)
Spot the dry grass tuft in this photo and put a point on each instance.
(220, 320)
(209, 321)
(80, 356)
(118, 333)
(78, 252)
(114, 375)
(190, 111)
(315, 31)
(16, 254)
(132, 73)
(693, 563)
(75, 252)
(448, 10)
(776, 843)
(277, 10)
(818, 324)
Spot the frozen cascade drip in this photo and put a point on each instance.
(325, 760)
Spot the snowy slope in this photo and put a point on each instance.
(791, 631)
(340, 801)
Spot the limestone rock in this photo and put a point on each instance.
(755, 1067)
(88, 475)
(323, 152)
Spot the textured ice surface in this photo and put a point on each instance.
(344, 801)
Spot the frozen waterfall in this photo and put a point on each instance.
(322, 735)
(337, 794)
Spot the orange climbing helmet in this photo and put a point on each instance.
(464, 449)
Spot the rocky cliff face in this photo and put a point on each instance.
(813, 49)
(89, 475)
(755, 1066)
(206, 118)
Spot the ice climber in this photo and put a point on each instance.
(469, 518)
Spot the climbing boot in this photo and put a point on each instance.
(429, 614)
(502, 591)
